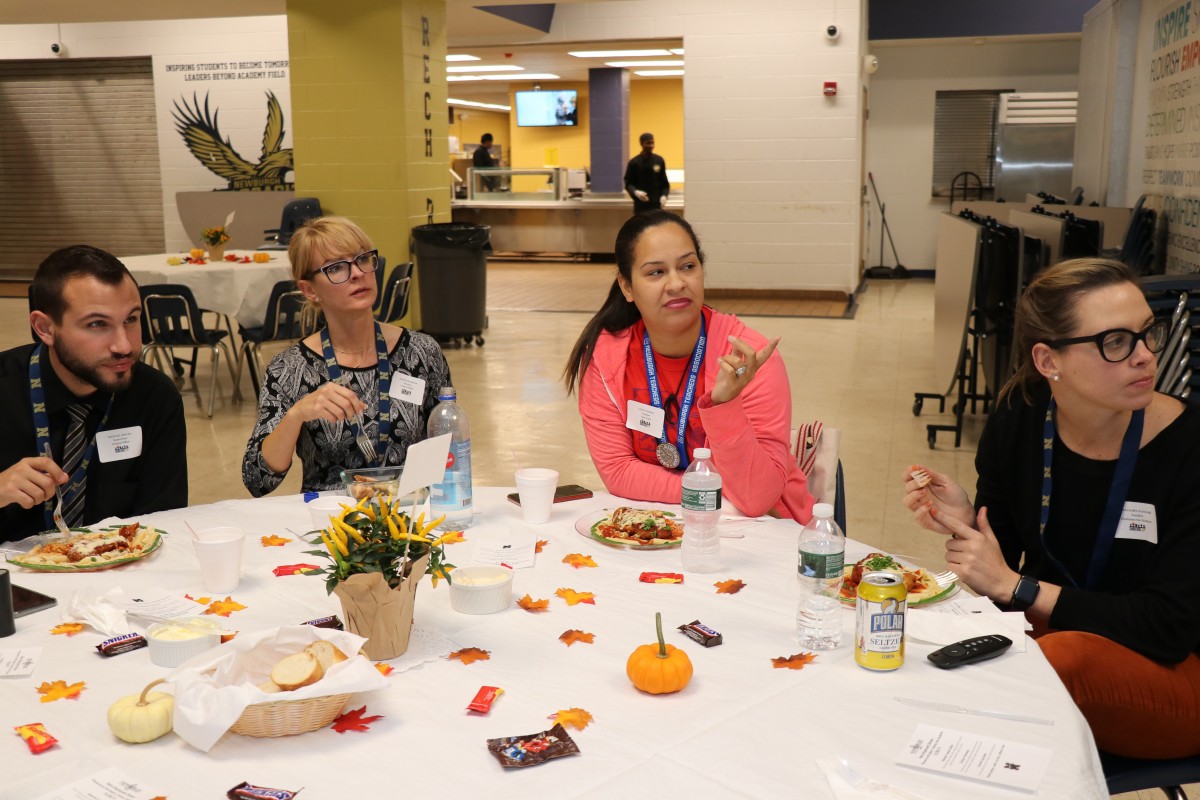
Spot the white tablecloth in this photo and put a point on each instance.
(740, 728)
(239, 290)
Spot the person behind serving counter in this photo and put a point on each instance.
(1087, 509)
(646, 177)
(482, 159)
(114, 425)
(313, 390)
(719, 384)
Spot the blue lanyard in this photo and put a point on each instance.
(1122, 477)
(41, 425)
(385, 381)
(689, 394)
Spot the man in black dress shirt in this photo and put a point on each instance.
(646, 177)
(116, 423)
(482, 159)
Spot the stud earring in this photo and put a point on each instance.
(1056, 377)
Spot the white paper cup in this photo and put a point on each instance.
(326, 506)
(219, 551)
(536, 487)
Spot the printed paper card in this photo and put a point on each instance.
(109, 784)
(981, 758)
(20, 662)
(515, 549)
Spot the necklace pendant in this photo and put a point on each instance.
(667, 455)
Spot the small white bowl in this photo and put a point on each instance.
(480, 590)
(172, 643)
(321, 508)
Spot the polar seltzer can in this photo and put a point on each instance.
(879, 631)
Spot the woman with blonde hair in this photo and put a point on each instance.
(1087, 509)
(353, 375)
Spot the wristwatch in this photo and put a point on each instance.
(1025, 594)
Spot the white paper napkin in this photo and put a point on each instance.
(212, 689)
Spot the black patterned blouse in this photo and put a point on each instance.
(325, 448)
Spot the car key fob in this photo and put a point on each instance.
(968, 651)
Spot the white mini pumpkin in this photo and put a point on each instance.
(138, 719)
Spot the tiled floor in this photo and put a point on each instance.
(855, 374)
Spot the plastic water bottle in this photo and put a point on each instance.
(701, 501)
(822, 553)
(452, 496)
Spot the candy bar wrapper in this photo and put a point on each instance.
(660, 577)
(701, 633)
(526, 751)
(247, 791)
(121, 644)
(484, 699)
(36, 736)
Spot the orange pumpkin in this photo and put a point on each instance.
(659, 668)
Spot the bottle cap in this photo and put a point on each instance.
(447, 393)
(701, 452)
(823, 510)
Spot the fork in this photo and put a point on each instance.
(946, 578)
(58, 517)
(859, 781)
(365, 445)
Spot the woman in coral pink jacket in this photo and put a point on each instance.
(659, 374)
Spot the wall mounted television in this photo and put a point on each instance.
(547, 109)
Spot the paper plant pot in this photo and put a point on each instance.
(382, 614)
(216, 252)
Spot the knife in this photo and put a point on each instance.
(953, 709)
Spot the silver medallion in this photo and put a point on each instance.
(667, 454)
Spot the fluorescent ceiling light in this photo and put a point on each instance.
(618, 53)
(526, 76)
(453, 101)
(452, 78)
(643, 63)
(487, 68)
(461, 57)
(652, 73)
(677, 51)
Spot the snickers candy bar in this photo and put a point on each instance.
(245, 791)
(121, 644)
(326, 622)
(701, 633)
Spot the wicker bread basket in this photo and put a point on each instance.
(289, 717)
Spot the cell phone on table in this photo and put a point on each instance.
(571, 491)
(27, 601)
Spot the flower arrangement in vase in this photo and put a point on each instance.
(215, 237)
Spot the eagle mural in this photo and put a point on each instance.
(200, 133)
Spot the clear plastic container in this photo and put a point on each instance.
(452, 497)
(820, 561)
(701, 501)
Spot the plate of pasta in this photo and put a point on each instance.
(88, 550)
(632, 528)
(923, 587)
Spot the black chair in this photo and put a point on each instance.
(172, 321)
(395, 295)
(295, 214)
(1135, 774)
(282, 323)
(380, 297)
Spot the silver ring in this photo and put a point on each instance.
(740, 371)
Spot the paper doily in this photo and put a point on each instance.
(424, 644)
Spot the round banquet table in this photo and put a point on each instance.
(740, 728)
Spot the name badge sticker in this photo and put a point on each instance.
(408, 389)
(119, 444)
(645, 419)
(1138, 521)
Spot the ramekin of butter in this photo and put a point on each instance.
(480, 590)
(175, 641)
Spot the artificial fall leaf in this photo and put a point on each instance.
(797, 661)
(354, 721)
(470, 654)
(201, 600)
(578, 560)
(69, 628)
(572, 636)
(574, 717)
(58, 690)
(572, 597)
(540, 544)
(384, 669)
(224, 608)
(729, 587)
(529, 604)
(274, 541)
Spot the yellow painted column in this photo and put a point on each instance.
(369, 115)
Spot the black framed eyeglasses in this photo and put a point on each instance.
(339, 271)
(1118, 344)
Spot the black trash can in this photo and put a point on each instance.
(452, 274)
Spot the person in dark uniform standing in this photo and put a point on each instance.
(482, 159)
(646, 177)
